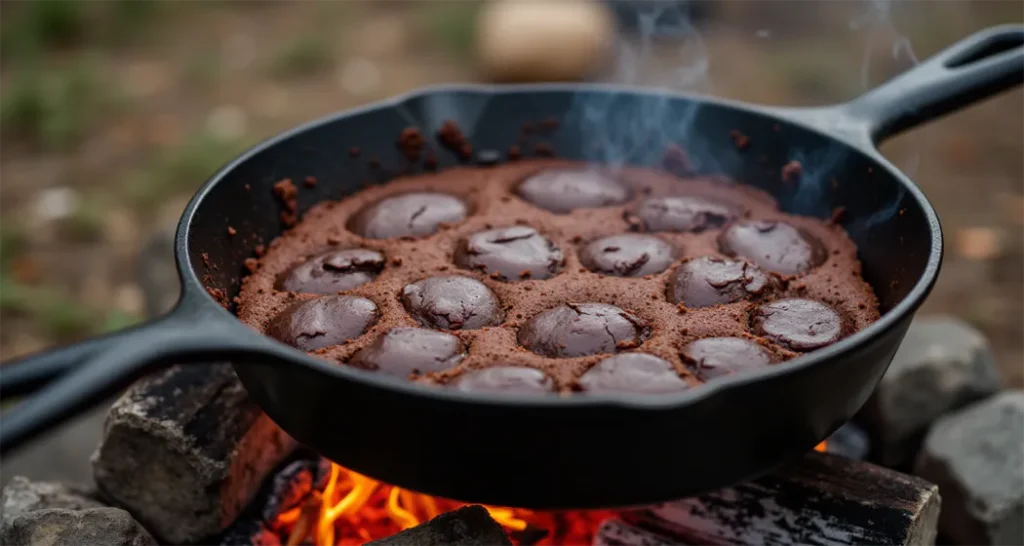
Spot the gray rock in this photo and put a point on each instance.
(976, 456)
(60, 527)
(185, 451)
(943, 364)
(22, 495)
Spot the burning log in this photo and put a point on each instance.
(613, 532)
(467, 526)
(820, 499)
(186, 450)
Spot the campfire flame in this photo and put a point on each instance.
(353, 509)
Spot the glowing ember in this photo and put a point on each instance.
(354, 509)
(823, 447)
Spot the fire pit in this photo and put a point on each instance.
(192, 459)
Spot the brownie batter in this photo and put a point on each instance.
(552, 276)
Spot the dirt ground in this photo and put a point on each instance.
(114, 112)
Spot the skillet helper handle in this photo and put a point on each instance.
(969, 71)
(26, 375)
(74, 378)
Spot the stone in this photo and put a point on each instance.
(467, 526)
(22, 495)
(61, 527)
(185, 450)
(51, 513)
(976, 456)
(943, 364)
(547, 40)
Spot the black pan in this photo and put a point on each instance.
(552, 452)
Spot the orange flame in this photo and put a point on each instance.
(822, 447)
(354, 509)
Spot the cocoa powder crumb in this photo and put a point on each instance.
(396, 261)
(309, 182)
(232, 231)
(450, 136)
(260, 250)
(740, 140)
(252, 264)
(247, 187)
(410, 143)
(792, 171)
(218, 295)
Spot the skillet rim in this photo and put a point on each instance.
(194, 293)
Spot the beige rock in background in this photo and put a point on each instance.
(543, 40)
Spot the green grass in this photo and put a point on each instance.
(54, 108)
(60, 317)
(303, 57)
(41, 24)
(31, 27)
(86, 222)
(179, 170)
(452, 24)
(13, 241)
(203, 69)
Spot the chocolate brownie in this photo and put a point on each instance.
(550, 276)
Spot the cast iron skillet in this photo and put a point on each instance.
(552, 452)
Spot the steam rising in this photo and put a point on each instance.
(821, 167)
(667, 54)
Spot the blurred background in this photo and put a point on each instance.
(114, 112)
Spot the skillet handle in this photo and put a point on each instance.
(969, 71)
(73, 378)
